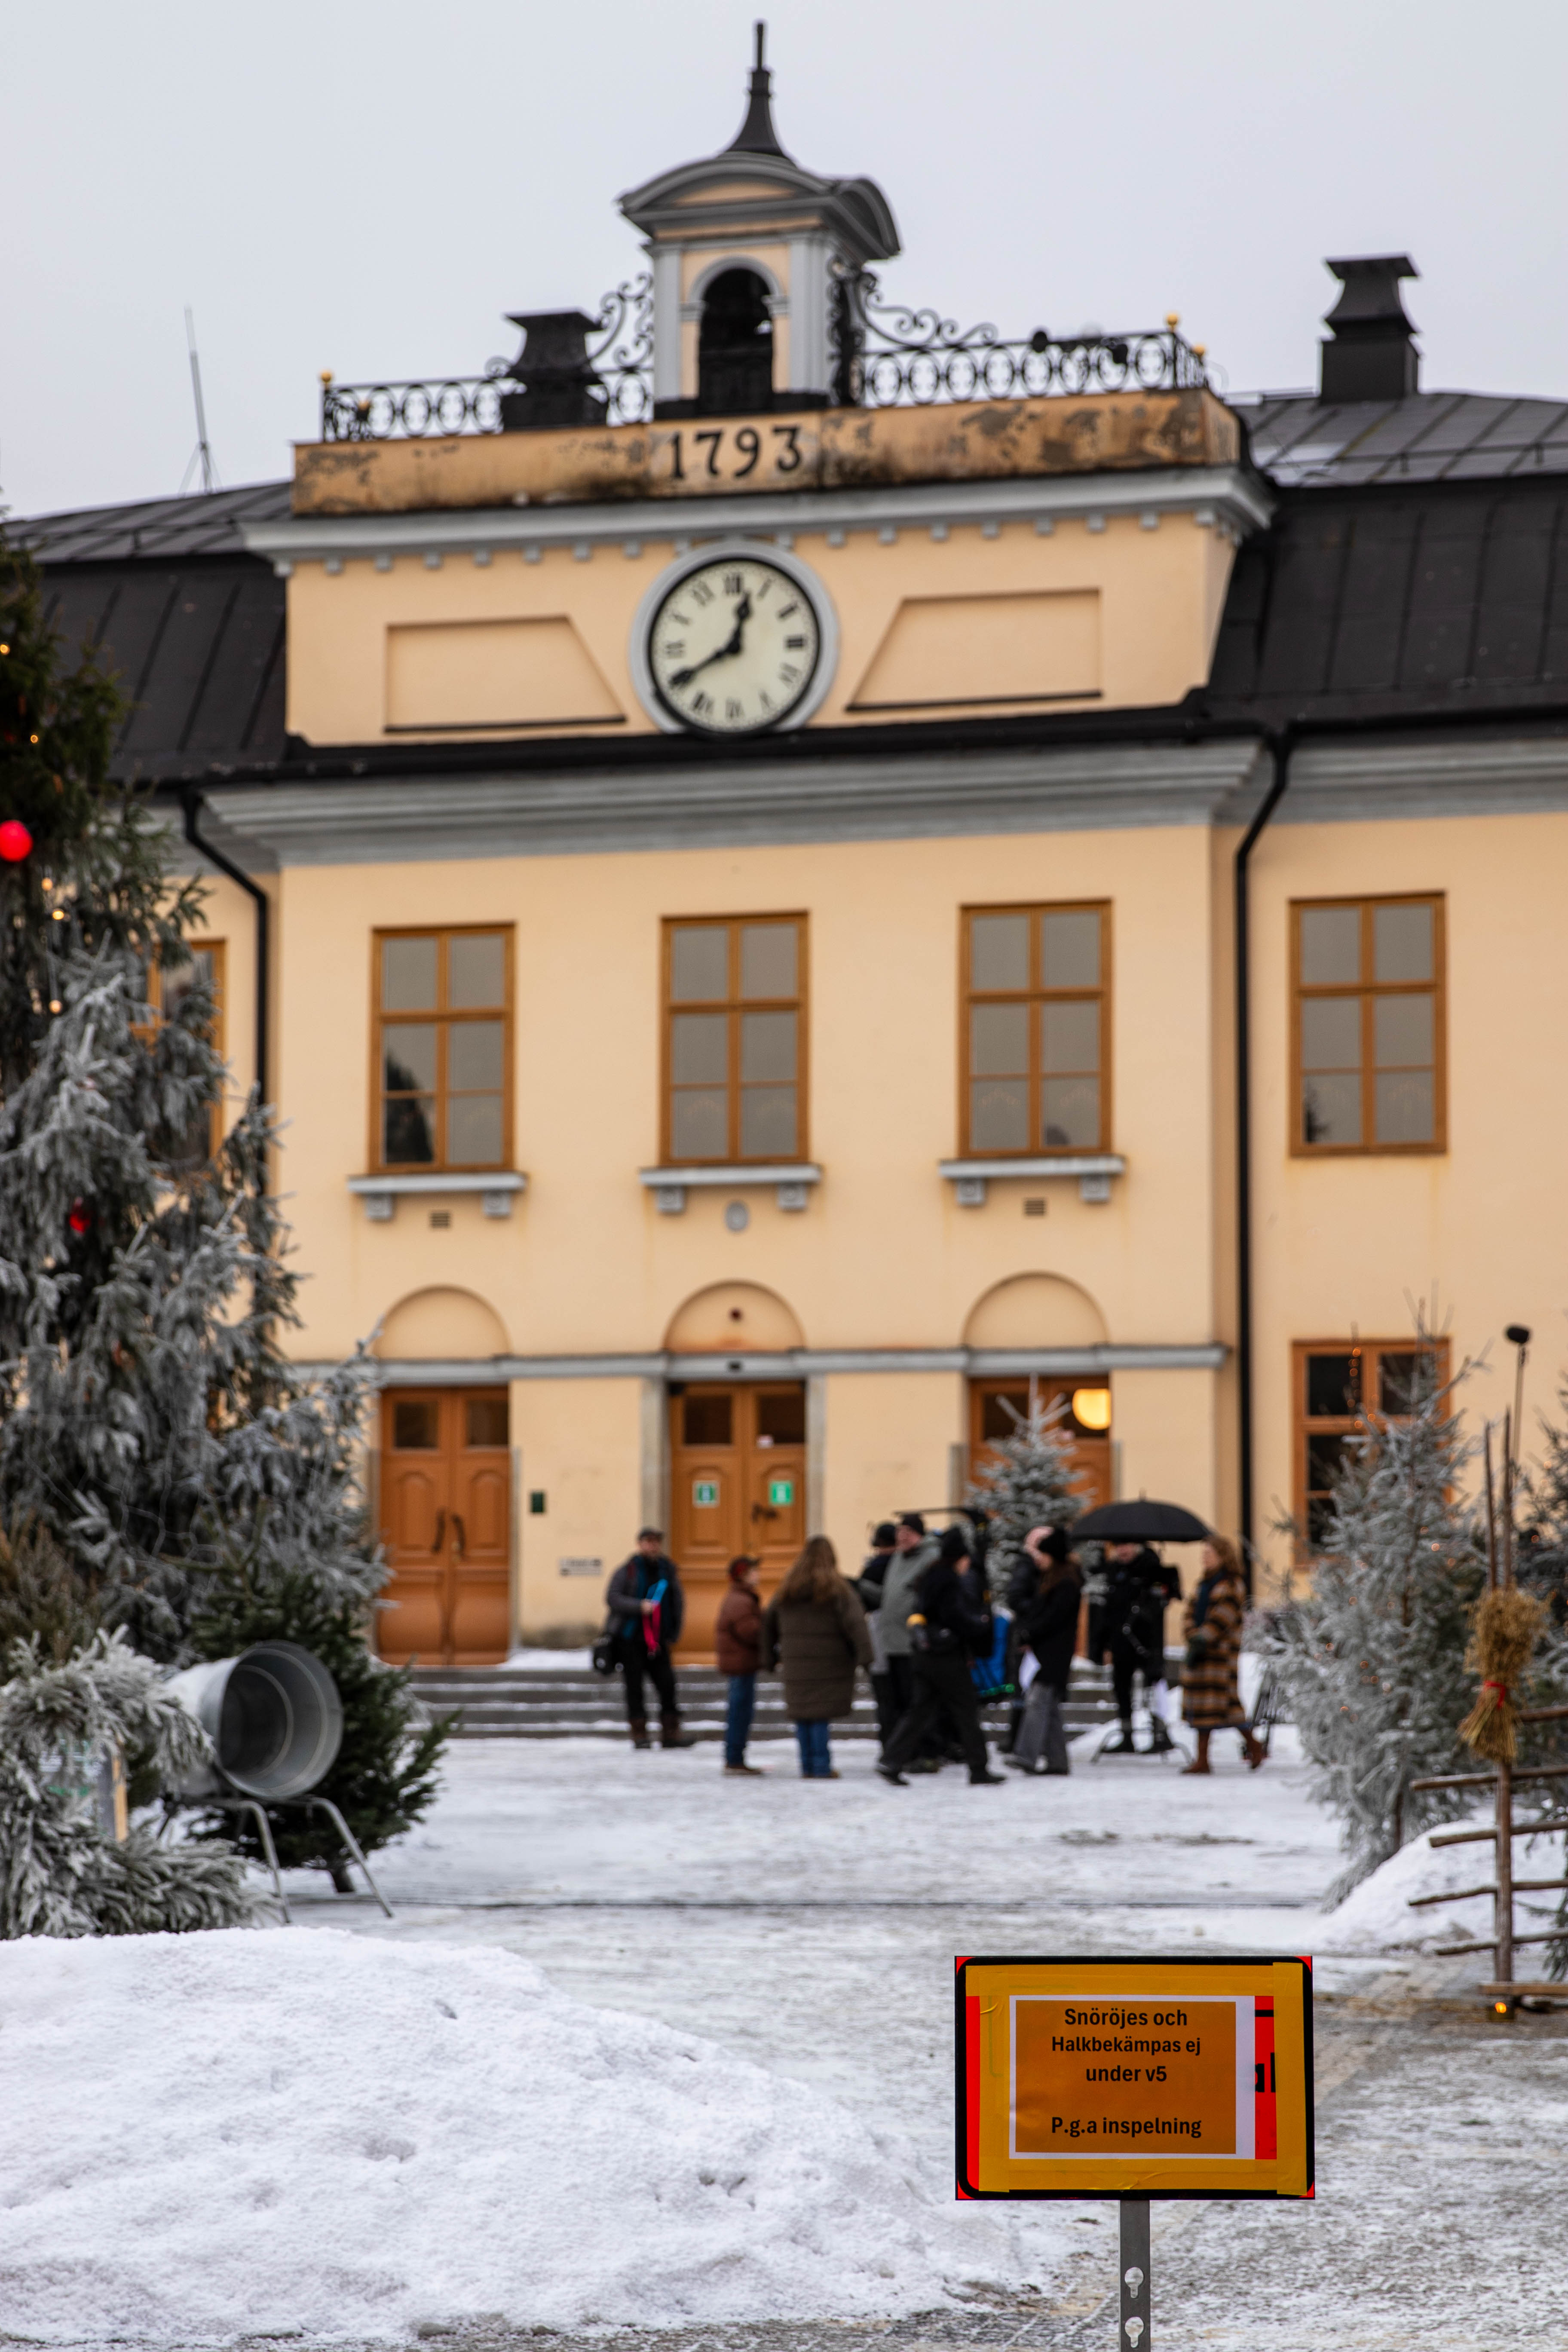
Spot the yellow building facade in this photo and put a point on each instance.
(748, 854)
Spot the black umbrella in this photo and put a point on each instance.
(1139, 1522)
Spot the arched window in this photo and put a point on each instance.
(735, 346)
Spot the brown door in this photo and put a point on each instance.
(737, 1484)
(992, 1405)
(446, 1509)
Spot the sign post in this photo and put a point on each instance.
(1135, 2079)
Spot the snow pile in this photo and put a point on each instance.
(1375, 1916)
(239, 2133)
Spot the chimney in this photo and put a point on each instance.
(1371, 355)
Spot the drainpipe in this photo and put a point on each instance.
(1280, 745)
(190, 802)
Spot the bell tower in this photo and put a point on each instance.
(744, 248)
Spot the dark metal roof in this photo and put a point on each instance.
(1440, 598)
(191, 625)
(206, 524)
(1428, 436)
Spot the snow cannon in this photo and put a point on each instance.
(274, 1718)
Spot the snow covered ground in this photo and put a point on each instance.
(727, 2095)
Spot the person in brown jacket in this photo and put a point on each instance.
(815, 1628)
(737, 1636)
(1211, 1686)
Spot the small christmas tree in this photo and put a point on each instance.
(1373, 1657)
(1030, 1479)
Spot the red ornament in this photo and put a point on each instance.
(15, 841)
(80, 1217)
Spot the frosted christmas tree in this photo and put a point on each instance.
(1029, 1478)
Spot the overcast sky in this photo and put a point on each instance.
(371, 189)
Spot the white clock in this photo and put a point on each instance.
(734, 640)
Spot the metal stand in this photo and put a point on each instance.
(257, 1812)
(1134, 2335)
(325, 1805)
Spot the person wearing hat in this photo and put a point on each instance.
(869, 1584)
(1047, 1624)
(737, 1651)
(646, 1610)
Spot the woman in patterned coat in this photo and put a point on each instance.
(1211, 1692)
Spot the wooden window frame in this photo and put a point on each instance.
(1305, 1426)
(1034, 996)
(732, 1006)
(1369, 991)
(443, 1016)
(218, 950)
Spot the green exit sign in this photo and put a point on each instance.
(781, 1492)
(704, 1493)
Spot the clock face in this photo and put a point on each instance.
(734, 647)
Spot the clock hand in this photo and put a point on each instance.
(743, 614)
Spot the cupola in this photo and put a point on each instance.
(747, 251)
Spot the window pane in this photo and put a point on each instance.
(699, 1048)
(767, 1123)
(1405, 1108)
(998, 951)
(705, 1419)
(474, 1131)
(408, 1131)
(1070, 1114)
(768, 960)
(1402, 943)
(474, 1053)
(1324, 1455)
(767, 1046)
(699, 962)
(1406, 1379)
(999, 1115)
(1331, 945)
(408, 975)
(1402, 1032)
(1069, 1036)
(1069, 950)
(476, 971)
(1330, 1110)
(408, 1057)
(699, 1125)
(1333, 1386)
(783, 1417)
(486, 1422)
(998, 1040)
(414, 1425)
(1001, 1411)
(1330, 1033)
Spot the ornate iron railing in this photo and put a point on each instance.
(885, 356)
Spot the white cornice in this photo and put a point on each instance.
(1225, 497)
(794, 1364)
(429, 815)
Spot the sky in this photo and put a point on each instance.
(372, 190)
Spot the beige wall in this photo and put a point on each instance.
(1159, 591)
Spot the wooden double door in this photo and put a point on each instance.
(446, 1513)
(737, 1482)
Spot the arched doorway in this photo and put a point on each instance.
(735, 346)
(1034, 1312)
(737, 1446)
(444, 1488)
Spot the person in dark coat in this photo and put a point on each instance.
(1140, 1586)
(950, 1625)
(646, 1610)
(869, 1585)
(737, 1652)
(1047, 1620)
(815, 1628)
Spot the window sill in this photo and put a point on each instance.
(1094, 1171)
(495, 1186)
(792, 1180)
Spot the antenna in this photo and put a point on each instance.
(762, 32)
(202, 453)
